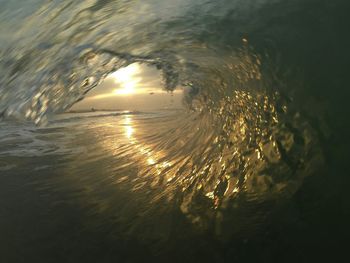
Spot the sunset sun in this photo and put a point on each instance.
(125, 77)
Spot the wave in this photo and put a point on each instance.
(248, 137)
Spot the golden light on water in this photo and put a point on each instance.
(151, 161)
(150, 157)
(129, 131)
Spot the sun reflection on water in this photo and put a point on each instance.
(151, 157)
(129, 132)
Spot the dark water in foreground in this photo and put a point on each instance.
(64, 199)
(254, 168)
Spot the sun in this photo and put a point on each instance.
(125, 77)
(127, 89)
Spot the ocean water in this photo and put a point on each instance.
(253, 167)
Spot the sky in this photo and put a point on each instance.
(136, 87)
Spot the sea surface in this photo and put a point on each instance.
(253, 168)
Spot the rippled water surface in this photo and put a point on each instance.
(252, 167)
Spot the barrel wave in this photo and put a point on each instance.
(263, 114)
